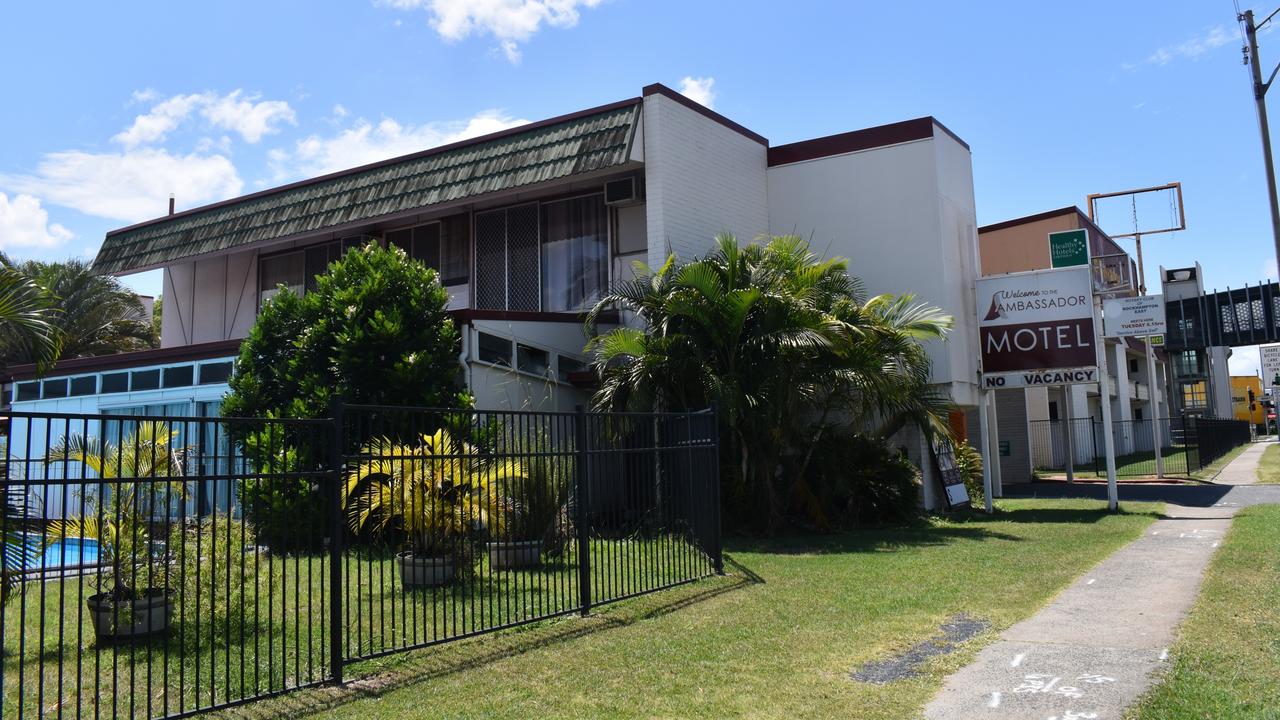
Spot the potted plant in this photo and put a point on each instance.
(535, 503)
(436, 491)
(136, 482)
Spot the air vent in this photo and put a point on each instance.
(622, 192)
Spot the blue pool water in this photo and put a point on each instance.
(69, 552)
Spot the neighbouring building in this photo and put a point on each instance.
(1200, 378)
(1031, 421)
(528, 227)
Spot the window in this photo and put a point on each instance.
(87, 385)
(575, 253)
(181, 376)
(1053, 409)
(213, 373)
(144, 380)
(494, 349)
(568, 366)
(56, 388)
(317, 259)
(1137, 414)
(1133, 366)
(443, 246)
(532, 360)
(288, 270)
(551, 256)
(298, 269)
(27, 391)
(455, 250)
(115, 382)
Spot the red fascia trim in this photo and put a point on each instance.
(865, 139)
(383, 163)
(663, 90)
(158, 356)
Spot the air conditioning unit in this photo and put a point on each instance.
(627, 191)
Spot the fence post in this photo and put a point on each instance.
(1093, 432)
(584, 536)
(336, 532)
(716, 524)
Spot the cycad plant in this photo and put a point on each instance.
(776, 338)
(137, 480)
(437, 490)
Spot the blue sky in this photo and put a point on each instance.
(111, 106)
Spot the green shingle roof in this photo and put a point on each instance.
(549, 150)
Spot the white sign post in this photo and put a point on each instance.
(1141, 316)
(1104, 388)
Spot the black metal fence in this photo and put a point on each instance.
(1186, 445)
(164, 566)
(1213, 438)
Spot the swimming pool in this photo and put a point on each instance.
(68, 552)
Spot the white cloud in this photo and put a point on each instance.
(243, 115)
(129, 186)
(235, 111)
(1193, 48)
(339, 111)
(511, 22)
(24, 223)
(366, 142)
(159, 121)
(700, 90)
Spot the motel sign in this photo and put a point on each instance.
(1037, 328)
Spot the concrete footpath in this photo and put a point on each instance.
(1095, 648)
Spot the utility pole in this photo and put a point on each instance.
(1260, 97)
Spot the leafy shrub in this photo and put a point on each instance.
(855, 480)
(539, 501)
(375, 330)
(435, 492)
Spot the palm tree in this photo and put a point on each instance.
(138, 478)
(99, 316)
(775, 337)
(28, 317)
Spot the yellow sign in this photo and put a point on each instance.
(1241, 385)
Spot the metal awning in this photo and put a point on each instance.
(554, 149)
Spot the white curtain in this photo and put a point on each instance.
(575, 253)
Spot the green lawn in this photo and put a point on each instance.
(250, 623)
(777, 637)
(1137, 464)
(1269, 466)
(1226, 662)
(1143, 464)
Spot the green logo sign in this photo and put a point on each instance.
(1069, 248)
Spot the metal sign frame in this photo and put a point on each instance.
(1176, 187)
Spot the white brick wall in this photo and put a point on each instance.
(701, 178)
(904, 217)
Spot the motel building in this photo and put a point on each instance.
(528, 227)
(1030, 421)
